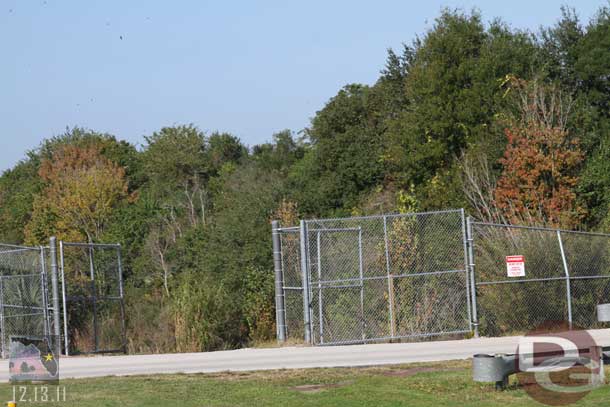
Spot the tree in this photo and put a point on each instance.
(82, 190)
(174, 159)
(180, 157)
(451, 98)
(541, 160)
(18, 187)
(226, 252)
(180, 164)
(345, 157)
(592, 70)
(593, 64)
(576, 55)
(559, 48)
(478, 184)
(282, 153)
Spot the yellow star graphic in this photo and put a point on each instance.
(49, 357)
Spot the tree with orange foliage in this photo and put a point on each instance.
(82, 189)
(541, 159)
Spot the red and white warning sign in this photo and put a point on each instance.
(515, 266)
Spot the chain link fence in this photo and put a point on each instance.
(435, 274)
(92, 307)
(24, 308)
(376, 278)
(292, 279)
(566, 274)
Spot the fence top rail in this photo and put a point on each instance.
(541, 228)
(13, 251)
(287, 229)
(101, 245)
(389, 215)
(16, 246)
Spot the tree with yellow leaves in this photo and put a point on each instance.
(82, 189)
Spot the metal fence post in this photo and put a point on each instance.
(55, 288)
(390, 280)
(280, 310)
(361, 275)
(567, 274)
(2, 330)
(44, 291)
(466, 267)
(320, 303)
(122, 300)
(305, 277)
(94, 299)
(473, 288)
(64, 299)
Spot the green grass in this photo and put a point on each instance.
(447, 384)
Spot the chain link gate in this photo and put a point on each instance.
(93, 299)
(24, 294)
(92, 290)
(289, 282)
(375, 278)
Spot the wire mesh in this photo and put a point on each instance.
(23, 294)
(407, 276)
(292, 282)
(509, 305)
(551, 290)
(431, 304)
(588, 262)
(385, 277)
(94, 308)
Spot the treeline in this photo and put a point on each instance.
(512, 125)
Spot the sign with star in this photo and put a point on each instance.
(32, 359)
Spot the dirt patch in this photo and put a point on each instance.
(415, 370)
(317, 388)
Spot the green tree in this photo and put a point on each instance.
(577, 57)
(18, 187)
(451, 98)
(592, 69)
(345, 157)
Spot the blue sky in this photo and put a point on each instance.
(250, 68)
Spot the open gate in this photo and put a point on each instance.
(93, 298)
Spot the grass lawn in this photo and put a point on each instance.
(446, 384)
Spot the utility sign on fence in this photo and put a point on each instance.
(515, 266)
